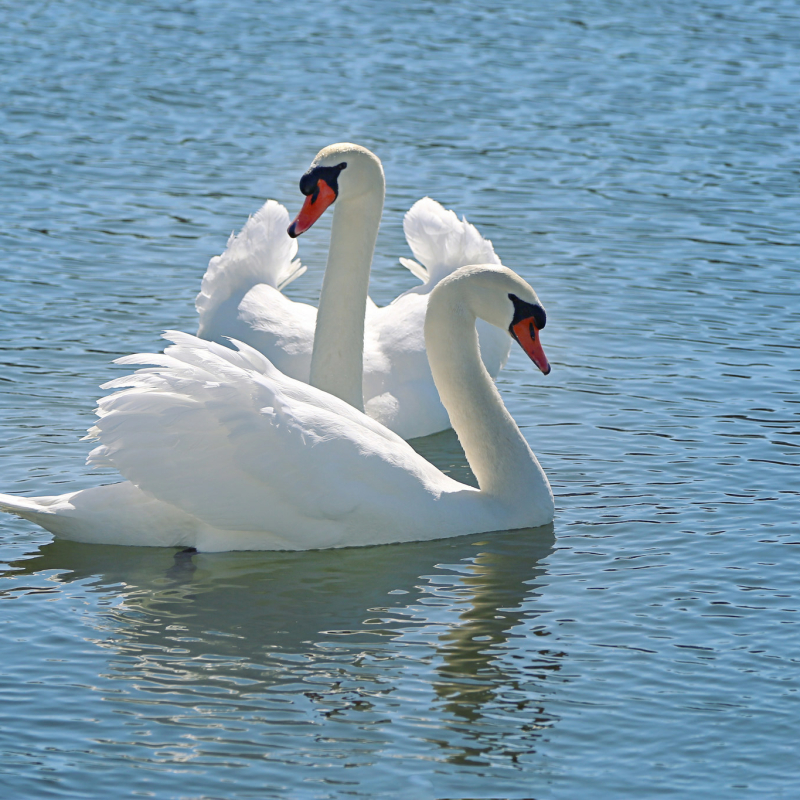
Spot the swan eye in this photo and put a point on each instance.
(309, 183)
(525, 310)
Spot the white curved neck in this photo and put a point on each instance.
(498, 454)
(337, 360)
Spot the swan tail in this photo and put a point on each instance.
(51, 513)
(262, 252)
(119, 513)
(442, 243)
(34, 509)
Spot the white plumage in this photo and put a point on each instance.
(221, 451)
(241, 299)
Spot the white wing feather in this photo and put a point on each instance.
(415, 268)
(224, 436)
(441, 242)
(398, 387)
(262, 253)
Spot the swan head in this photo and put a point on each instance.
(498, 295)
(341, 171)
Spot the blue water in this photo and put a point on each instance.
(636, 162)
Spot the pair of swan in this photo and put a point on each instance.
(240, 296)
(224, 451)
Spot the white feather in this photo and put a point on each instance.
(441, 242)
(263, 252)
(398, 389)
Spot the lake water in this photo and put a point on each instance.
(636, 162)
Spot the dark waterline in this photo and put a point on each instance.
(638, 165)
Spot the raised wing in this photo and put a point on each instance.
(262, 253)
(224, 436)
(441, 242)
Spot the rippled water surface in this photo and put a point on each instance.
(638, 163)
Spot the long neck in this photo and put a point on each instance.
(498, 454)
(337, 361)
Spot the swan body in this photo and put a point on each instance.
(241, 298)
(222, 451)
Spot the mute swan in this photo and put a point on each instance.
(240, 296)
(221, 451)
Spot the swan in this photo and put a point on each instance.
(387, 374)
(221, 451)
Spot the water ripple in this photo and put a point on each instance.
(638, 165)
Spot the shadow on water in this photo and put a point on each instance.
(444, 450)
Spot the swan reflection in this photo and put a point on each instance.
(201, 640)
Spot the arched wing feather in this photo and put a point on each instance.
(262, 252)
(443, 243)
(224, 436)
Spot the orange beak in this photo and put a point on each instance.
(312, 209)
(527, 334)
